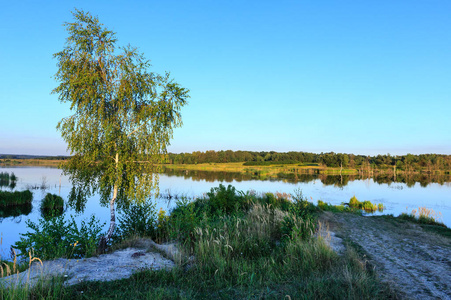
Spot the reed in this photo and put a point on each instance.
(15, 198)
(424, 215)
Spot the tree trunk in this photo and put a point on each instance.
(106, 238)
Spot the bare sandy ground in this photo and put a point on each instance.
(417, 263)
(114, 266)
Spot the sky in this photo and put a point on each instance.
(362, 77)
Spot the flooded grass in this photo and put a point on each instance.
(15, 198)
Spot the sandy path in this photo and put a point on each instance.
(416, 262)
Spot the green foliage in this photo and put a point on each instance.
(294, 227)
(302, 207)
(123, 117)
(226, 200)
(52, 205)
(138, 220)
(15, 198)
(182, 222)
(365, 205)
(55, 237)
(276, 201)
(258, 251)
(52, 201)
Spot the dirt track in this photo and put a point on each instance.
(415, 262)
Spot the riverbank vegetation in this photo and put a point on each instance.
(236, 245)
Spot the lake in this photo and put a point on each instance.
(397, 197)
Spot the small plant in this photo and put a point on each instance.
(54, 237)
(301, 206)
(162, 226)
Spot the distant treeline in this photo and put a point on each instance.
(406, 162)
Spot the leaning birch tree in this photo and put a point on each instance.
(123, 115)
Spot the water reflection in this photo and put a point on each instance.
(15, 211)
(336, 180)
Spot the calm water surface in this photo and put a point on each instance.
(396, 197)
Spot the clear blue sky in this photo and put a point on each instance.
(363, 77)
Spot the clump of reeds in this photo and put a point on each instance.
(424, 215)
(15, 198)
(52, 205)
(52, 202)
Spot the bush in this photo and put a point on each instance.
(277, 200)
(51, 206)
(222, 200)
(183, 220)
(365, 205)
(51, 202)
(137, 220)
(54, 238)
(302, 207)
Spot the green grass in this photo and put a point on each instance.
(15, 198)
(245, 246)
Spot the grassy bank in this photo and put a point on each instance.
(6, 162)
(244, 245)
(264, 171)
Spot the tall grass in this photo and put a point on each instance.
(242, 245)
(424, 215)
(15, 198)
(14, 288)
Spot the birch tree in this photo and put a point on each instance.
(123, 115)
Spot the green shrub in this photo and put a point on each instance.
(51, 202)
(184, 219)
(222, 200)
(51, 206)
(280, 201)
(55, 237)
(365, 205)
(138, 220)
(368, 206)
(302, 207)
(354, 203)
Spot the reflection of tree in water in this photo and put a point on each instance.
(411, 179)
(336, 180)
(77, 200)
(209, 176)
